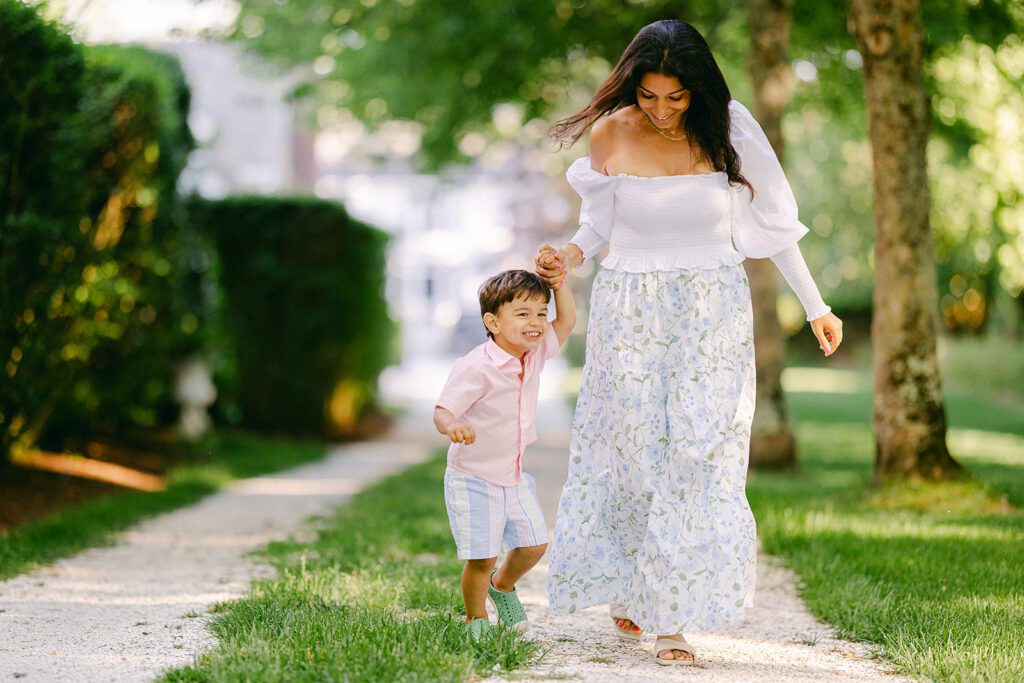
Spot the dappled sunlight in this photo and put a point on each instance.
(59, 595)
(824, 380)
(975, 445)
(198, 539)
(904, 527)
(337, 587)
(88, 468)
(961, 497)
(277, 486)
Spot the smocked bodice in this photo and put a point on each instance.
(671, 222)
(689, 221)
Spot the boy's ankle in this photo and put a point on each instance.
(500, 588)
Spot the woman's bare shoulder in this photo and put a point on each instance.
(608, 133)
(619, 121)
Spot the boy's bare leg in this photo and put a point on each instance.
(517, 563)
(476, 577)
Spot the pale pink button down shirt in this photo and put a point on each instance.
(484, 389)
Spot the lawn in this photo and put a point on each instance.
(375, 597)
(217, 460)
(930, 573)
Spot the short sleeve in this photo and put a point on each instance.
(768, 224)
(597, 211)
(465, 386)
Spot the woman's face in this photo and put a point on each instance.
(664, 99)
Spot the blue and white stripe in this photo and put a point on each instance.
(483, 515)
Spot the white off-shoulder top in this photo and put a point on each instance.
(698, 220)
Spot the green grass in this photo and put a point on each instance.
(225, 457)
(993, 362)
(932, 573)
(374, 598)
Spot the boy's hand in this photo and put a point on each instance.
(461, 432)
(549, 266)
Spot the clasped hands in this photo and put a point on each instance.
(553, 265)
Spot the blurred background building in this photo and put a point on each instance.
(448, 231)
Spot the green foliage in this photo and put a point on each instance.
(304, 289)
(445, 65)
(143, 308)
(99, 297)
(979, 179)
(41, 71)
(374, 598)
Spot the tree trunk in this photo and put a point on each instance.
(771, 440)
(909, 417)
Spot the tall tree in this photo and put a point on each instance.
(772, 444)
(909, 417)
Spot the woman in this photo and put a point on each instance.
(681, 184)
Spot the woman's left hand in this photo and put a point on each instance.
(829, 331)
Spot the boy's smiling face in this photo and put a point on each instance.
(519, 325)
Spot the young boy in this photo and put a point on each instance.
(487, 410)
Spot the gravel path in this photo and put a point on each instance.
(130, 611)
(779, 641)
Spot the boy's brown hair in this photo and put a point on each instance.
(506, 286)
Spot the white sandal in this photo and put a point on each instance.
(663, 644)
(619, 612)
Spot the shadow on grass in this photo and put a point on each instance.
(375, 595)
(219, 459)
(930, 572)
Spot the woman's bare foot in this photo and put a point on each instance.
(626, 626)
(674, 654)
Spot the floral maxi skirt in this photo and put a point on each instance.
(654, 514)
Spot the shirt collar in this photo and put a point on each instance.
(499, 356)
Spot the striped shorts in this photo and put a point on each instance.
(482, 515)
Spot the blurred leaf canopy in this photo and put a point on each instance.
(450, 65)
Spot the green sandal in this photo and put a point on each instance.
(510, 610)
(477, 628)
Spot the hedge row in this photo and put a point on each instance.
(93, 249)
(106, 284)
(304, 293)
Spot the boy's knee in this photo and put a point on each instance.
(536, 552)
(484, 566)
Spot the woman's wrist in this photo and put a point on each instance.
(573, 254)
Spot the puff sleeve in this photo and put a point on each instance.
(768, 224)
(597, 211)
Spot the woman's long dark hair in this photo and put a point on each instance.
(673, 48)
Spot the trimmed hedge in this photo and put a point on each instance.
(41, 86)
(304, 288)
(144, 310)
(98, 297)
